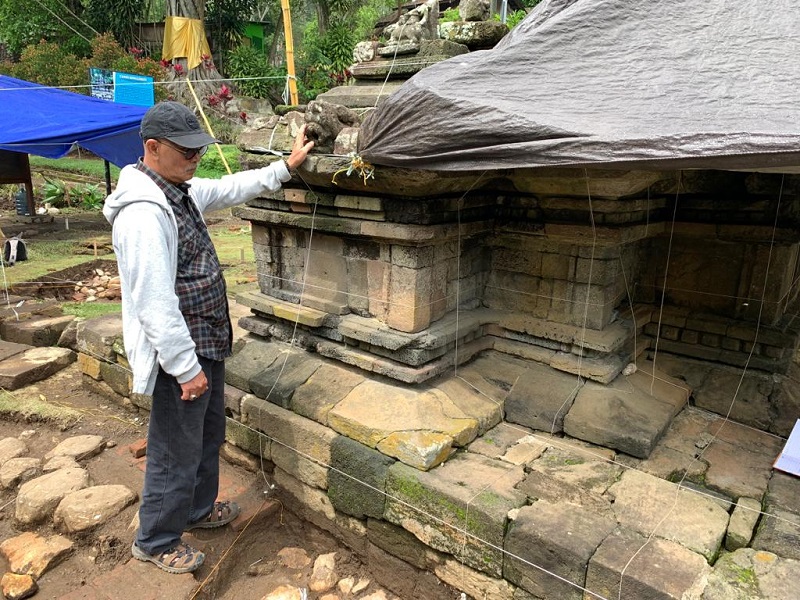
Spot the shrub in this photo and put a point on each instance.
(450, 15)
(88, 196)
(55, 193)
(260, 79)
(48, 64)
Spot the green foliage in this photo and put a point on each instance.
(450, 15)
(23, 23)
(117, 17)
(368, 15)
(226, 21)
(91, 310)
(212, 167)
(55, 192)
(107, 52)
(88, 196)
(247, 62)
(337, 46)
(513, 19)
(48, 64)
(530, 3)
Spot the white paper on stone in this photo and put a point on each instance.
(789, 458)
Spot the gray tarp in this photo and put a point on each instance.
(608, 83)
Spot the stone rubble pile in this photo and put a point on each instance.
(103, 285)
(56, 488)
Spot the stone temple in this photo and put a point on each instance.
(538, 383)
(525, 383)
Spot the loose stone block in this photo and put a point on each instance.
(33, 365)
(96, 337)
(38, 498)
(647, 504)
(31, 554)
(15, 587)
(627, 565)
(541, 397)
(278, 382)
(631, 422)
(9, 349)
(300, 438)
(38, 331)
(357, 479)
(79, 447)
(252, 356)
(11, 448)
(460, 509)
(90, 507)
(18, 470)
(557, 538)
(401, 410)
(742, 523)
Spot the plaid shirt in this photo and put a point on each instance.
(199, 285)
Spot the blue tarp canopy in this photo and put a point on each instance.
(50, 122)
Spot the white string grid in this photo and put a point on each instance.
(463, 530)
(549, 440)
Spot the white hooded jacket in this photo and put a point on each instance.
(145, 238)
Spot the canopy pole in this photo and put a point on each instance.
(287, 33)
(108, 177)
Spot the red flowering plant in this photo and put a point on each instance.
(137, 53)
(208, 62)
(243, 117)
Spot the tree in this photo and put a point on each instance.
(203, 75)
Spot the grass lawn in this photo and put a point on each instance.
(211, 165)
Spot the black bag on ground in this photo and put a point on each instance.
(14, 250)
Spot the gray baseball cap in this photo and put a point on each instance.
(176, 123)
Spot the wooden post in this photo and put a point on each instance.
(287, 32)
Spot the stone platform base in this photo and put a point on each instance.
(435, 477)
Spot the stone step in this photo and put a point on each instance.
(33, 365)
(36, 331)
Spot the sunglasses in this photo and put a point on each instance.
(187, 153)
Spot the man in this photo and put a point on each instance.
(176, 326)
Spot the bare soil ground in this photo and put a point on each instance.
(239, 566)
(245, 566)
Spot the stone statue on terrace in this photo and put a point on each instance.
(411, 28)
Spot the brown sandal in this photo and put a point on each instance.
(180, 559)
(223, 513)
